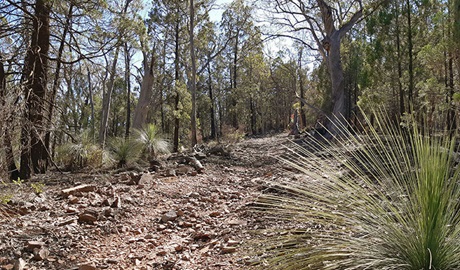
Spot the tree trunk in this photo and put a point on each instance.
(303, 116)
(91, 101)
(234, 85)
(106, 100)
(34, 154)
(455, 54)
(253, 116)
(176, 80)
(5, 124)
(128, 88)
(193, 79)
(399, 55)
(56, 78)
(107, 97)
(411, 55)
(142, 108)
(211, 98)
(330, 47)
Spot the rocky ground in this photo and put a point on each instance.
(175, 218)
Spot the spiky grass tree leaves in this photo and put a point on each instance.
(81, 153)
(124, 150)
(152, 140)
(385, 199)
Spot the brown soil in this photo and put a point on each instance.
(178, 222)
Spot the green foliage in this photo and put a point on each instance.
(5, 198)
(81, 154)
(233, 135)
(150, 138)
(380, 200)
(124, 151)
(18, 182)
(456, 97)
(37, 187)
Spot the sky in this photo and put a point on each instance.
(216, 15)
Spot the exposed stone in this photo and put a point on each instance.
(31, 245)
(146, 179)
(169, 216)
(162, 252)
(87, 267)
(116, 202)
(80, 188)
(19, 264)
(73, 199)
(200, 155)
(41, 254)
(182, 169)
(134, 178)
(112, 261)
(228, 249)
(169, 173)
(178, 247)
(89, 217)
(196, 164)
(235, 222)
(214, 214)
(232, 243)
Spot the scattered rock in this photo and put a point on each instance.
(178, 247)
(81, 188)
(200, 155)
(89, 217)
(204, 236)
(169, 173)
(232, 243)
(73, 199)
(8, 267)
(146, 179)
(235, 222)
(66, 222)
(134, 178)
(228, 249)
(87, 267)
(41, 254)
(112, 261)
(116, 202)
(19, 264)
(196, 164)
(31, 245)
(169, 216)
(219, 150)
(162, 252)
(214, 214)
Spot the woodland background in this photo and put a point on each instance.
(78, 73)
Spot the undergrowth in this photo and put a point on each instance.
(385, 199)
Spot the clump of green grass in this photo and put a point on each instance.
(385, 199)
(124, 151)
(81, 153)
(152, 141)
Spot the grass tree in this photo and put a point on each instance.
(386, 199)
(152, 141)
(124, 151)
(80, 153)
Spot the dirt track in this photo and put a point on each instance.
(178, 222)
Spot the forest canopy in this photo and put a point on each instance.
(83, 72)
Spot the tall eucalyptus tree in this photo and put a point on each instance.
(326, 22)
